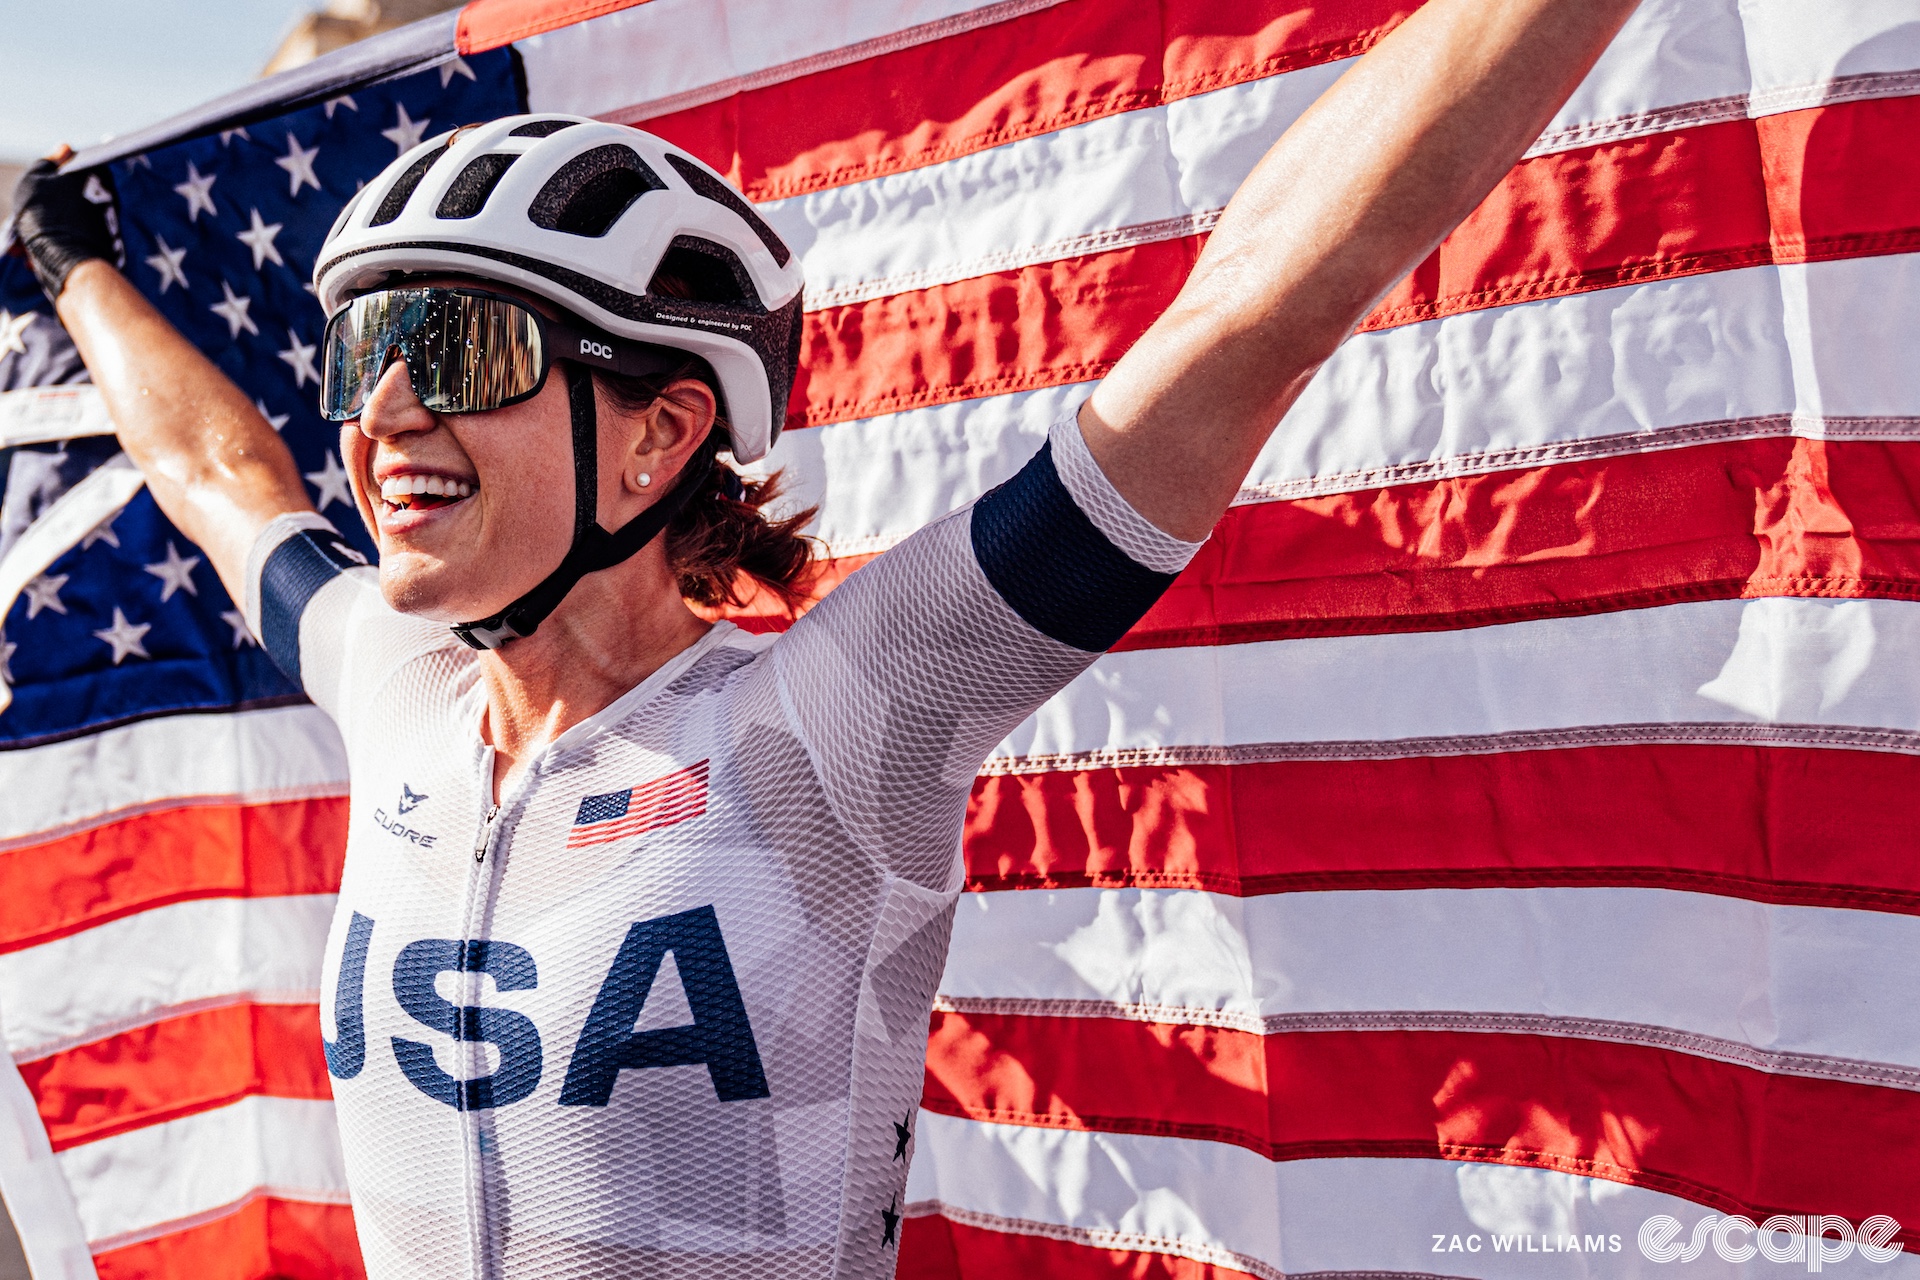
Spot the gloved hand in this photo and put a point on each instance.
(65, 219)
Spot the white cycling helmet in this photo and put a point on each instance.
(586, 214)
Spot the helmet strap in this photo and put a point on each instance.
(593, 547)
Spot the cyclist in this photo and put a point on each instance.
(642, 916)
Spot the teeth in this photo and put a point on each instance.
(399, 489)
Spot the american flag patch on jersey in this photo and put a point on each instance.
(648, 807)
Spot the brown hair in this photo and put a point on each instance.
(724, 532)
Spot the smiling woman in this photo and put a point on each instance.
(552, 340)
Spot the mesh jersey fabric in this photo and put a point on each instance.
(664, 1012)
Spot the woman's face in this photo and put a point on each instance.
(470, 511)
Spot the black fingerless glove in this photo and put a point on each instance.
(64, 219)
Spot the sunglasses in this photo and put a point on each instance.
(466, 351)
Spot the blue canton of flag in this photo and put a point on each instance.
(601, 808)
(221, 234)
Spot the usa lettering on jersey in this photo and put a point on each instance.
(720, 1037)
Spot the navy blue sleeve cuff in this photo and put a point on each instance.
(296, 570)
(1053, 567)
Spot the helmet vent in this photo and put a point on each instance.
(590, 192)
(467, 194)
(699, 271)
(402, 190)
(719, 192)
(542, 128)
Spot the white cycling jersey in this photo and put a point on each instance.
(662, 1011)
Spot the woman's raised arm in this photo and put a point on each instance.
(214, 464)
(1351, 198)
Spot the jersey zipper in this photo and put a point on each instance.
(486, 833)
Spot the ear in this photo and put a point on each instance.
(666, 435)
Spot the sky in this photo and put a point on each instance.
(79, 71)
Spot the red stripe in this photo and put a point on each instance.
(1730, 1137)
(266, 1237)
(177, 1067)
(1790, 825)
(63, 886)
(488, 24)
(936, 1248)
(1063, 65)
(1680, 203)
(1731, 520)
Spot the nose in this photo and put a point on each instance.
(391, 408)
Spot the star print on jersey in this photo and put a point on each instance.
(890, 1221)
(902, 1135)
(616, 815)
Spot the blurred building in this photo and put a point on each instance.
(342, 22)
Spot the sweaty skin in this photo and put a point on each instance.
(1355, 194)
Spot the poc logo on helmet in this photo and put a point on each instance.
(588, 347)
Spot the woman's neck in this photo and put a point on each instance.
(614, 629)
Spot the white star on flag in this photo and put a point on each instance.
(167, 263)
(228, 135)
(277, 421)
(299, 165)
(458, 67)
(102, 532)
(331, 481)
(175, 573)
(44, 593)
(242, 637)
(406, 134)
(198, 191)
(7, 650)
(300, 358)
(259, 238)
(11, 329)
(125, 637)
(234, 311)
(344, 100)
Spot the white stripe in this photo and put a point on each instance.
(279, 753)
(669, 55)
(129, 972)
(1231, 1207)
(1766, 351)
(36, 1194)
(1123, 179)
(41, 415)
(1779, 661)
(1158, 173)
(167, 1177)
(1789, 980)
(1819, 351)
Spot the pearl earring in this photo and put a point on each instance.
(644, 479)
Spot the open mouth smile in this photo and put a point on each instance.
(423, 493)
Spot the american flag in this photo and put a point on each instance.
(1499, 838)
(675, 797)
